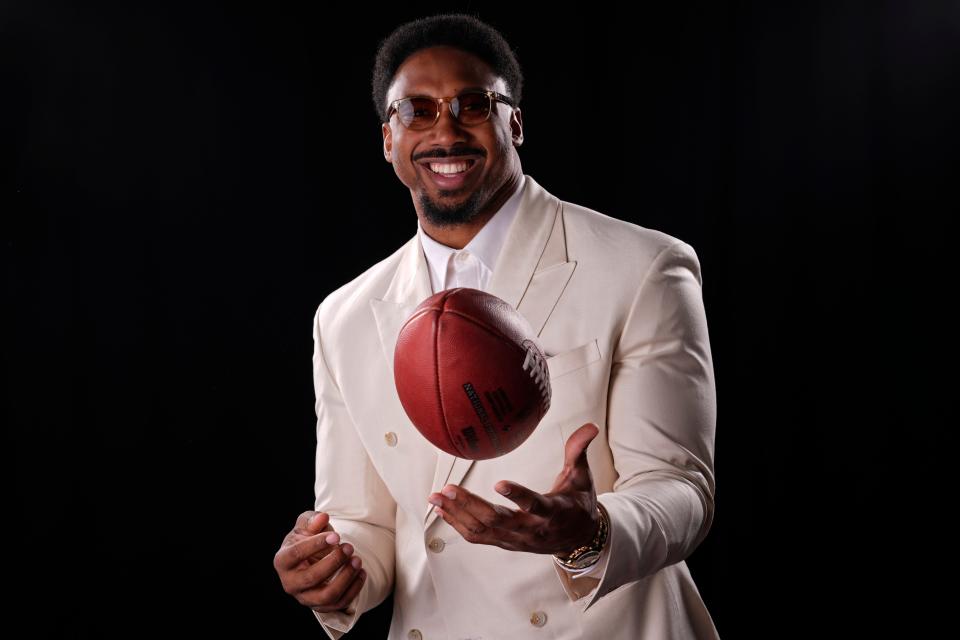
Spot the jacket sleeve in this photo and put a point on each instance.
(349, 488)
(661, 424)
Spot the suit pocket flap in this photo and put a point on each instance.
(572, 359)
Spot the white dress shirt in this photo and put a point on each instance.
(472, 267)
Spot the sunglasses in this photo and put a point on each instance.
(468, 107)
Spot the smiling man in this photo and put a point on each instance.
(582, 531)
(459, 174)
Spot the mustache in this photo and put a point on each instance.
(452, 154)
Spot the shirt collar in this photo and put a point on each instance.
(485, 245)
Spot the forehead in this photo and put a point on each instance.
(442, 71)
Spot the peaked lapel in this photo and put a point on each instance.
(531, 273)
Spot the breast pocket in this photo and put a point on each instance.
(578, 387)
(536, 463)
(570, 360)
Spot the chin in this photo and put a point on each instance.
(463, 211)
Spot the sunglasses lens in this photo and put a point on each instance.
(417, 113)
(474, 108)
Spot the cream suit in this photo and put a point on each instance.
(619, 313)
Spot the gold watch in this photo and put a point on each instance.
(583, 557)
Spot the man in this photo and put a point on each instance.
(586, 542)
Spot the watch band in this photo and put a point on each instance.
(585, 556)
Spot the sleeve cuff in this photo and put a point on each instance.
(337, 623)
(578, 583)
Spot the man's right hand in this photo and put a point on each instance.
(309, 556)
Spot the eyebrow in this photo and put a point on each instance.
(410, 95)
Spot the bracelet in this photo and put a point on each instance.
(592, 550)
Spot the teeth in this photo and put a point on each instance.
(459, 167)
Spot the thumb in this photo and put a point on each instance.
(576, 448)
(575, 453)
(317, 522)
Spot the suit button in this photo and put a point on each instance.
(415, 634)
(436, 545)
(391, 438)
(538, 618)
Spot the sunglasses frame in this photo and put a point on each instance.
(492, 95)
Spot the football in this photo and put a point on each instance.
(470, 374)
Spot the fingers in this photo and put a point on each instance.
(324, 593)
(476, 519)
(465, 522)
(316, 597)
(475, 533)
(528, 500)
(320, 573)
(352, 591)
(310, 522)
(315, 568)
(291, 555)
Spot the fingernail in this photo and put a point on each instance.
(504, 491)
(355, 562)
(437, 502)
(347, 549)
(332, 538)
(450, 493)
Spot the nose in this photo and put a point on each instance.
(447, 128)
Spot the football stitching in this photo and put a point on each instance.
(538, 371)
(436, 376)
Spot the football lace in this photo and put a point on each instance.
(536, 366)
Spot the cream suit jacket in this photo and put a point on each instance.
(619, 313)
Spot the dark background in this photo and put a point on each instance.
(188, 185)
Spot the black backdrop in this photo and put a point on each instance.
(188, 184)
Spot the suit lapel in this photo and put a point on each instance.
(531, 272)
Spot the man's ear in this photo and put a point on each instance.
(516, 127)
(387, 142)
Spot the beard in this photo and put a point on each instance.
(441, 215)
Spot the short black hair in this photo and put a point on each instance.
(465, 32)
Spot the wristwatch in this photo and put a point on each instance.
(583, 557)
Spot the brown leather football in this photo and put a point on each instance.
(470, 374)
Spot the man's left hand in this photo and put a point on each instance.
(555, 522)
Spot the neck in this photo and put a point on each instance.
(459, 235)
